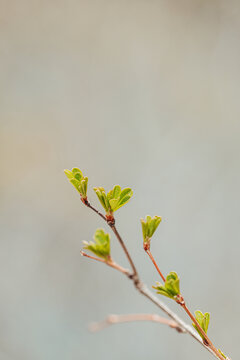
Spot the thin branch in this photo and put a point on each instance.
(112, 226)
(143, 289)
(206, 338)
(117, 319)
(87, 203)
(206, 342)
(109, 262)
(155, 264)
(135, 274)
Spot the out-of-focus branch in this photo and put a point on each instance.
(117, 319)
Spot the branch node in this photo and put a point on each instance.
(110, 220)
(146, 245)
(180, 300)
(84, 200)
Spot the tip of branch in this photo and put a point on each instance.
(94, 327)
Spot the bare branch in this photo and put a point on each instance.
(87, 203)
(109, 262)
(135, 273)
(155, 264)
(117, 319)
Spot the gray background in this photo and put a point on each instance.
(140, 93)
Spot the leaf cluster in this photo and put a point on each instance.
(203, 321)
(77, 179)
(101, 244)
(149, 226)
(171, 288)
(114, 199)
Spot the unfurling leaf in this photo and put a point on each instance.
(100, 192)
(203, 321)
(114, 199)
(172, 283)
(77, 179)
(171, 287)
(101, 244)
(149, 226)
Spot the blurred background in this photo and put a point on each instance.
(138, 93)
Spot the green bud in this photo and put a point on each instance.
(203, 321)
(100, 192)
(114, 199)
(101, 244)
(77, 179)
(149, 226)
(171, 287)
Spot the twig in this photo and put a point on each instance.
(143, 289)
(135, 274)
(206, 338)
(180, 300)
(155, 264)
(117, 319)
(112, 226)
(87, 203)
(109, 262)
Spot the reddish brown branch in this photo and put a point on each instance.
(87, 203)
(180, 300)
(155, 264)
(207, 341)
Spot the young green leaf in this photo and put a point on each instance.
(162, 290)
(172, 283)
(114, 199)
(100, 192)
(171, 287)
(116, 192)
(203, 321)
(76, 178)
(101, 244)
(149, 226)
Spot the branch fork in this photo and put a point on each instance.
(111, 202)
(117, 319)
(142, 288)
